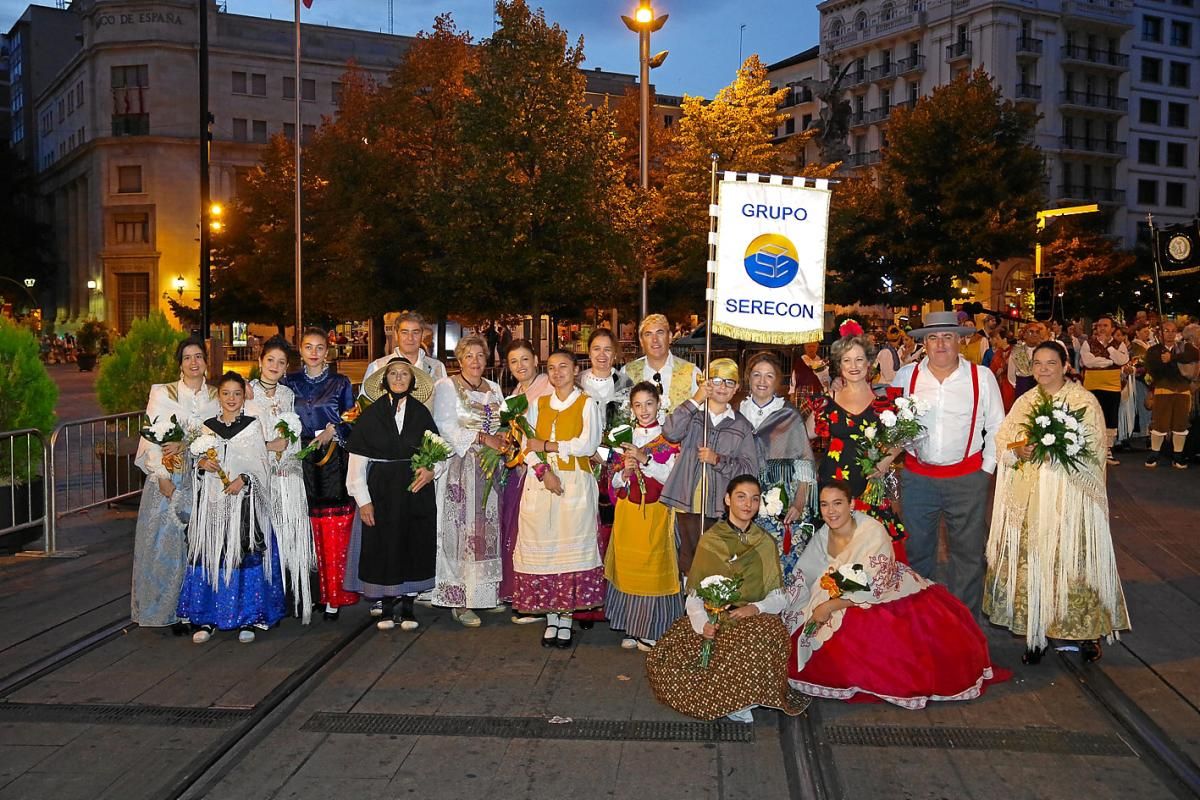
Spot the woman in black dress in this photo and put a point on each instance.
(394, 537)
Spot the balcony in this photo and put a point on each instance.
(1028, 91)
(856, 78)
(797, 95)
(879, 114)
(906, 66)
(884, 72)
(846, 39)
(959, 51)
(858, 119)
(1114, 13)
(1029, 46)
(1094, 194)
(1094, 102)
(1093, 57)
(898, 22)
(856, 160)
(1081, 144)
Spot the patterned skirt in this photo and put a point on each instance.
(748, 668)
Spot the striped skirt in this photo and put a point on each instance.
(639, 616)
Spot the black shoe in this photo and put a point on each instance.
(1090, 651)
(549, 636)
(1033, 656)
(1152, 460)
(586, 624)
(332, 616)
(181, 628)
(563, 642)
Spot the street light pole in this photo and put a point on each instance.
(205, 199)
(643, 23)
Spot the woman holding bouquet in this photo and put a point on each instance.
(871, 627)
(466, 409)
(531, 384)
(394, 538)
(787, 455)
(557, 561)
(274, 404)
(838, 420)
(1052, 573)
(160, 542)
(233, 579)
(322, 397)
(610, 389)
(641, 564)
(747, 663)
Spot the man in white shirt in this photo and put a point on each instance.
(678, 379)
(410, 327)
(948, 471)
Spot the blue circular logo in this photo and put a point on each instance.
(772, 261)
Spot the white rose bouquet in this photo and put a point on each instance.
(1057, 434)
(205, 446)
(160, 432)
(775, 501)
(899, 426)
(718, 593)
(288, 427)
(434, 449)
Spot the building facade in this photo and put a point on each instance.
(117, 138)
(801, 106)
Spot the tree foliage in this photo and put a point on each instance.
(143, 357)
(27, 400)
(1075, 251)
(958, 188)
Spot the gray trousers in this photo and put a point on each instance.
(962, 502)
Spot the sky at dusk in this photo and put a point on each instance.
(702, 35)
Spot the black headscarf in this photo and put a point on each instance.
(394, 398)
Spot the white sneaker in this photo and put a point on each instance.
(629, 643)
(385, 624)
(201, 636)
(245, 636)
(409, 624)
(377, 609)
(646, 645)
(746, 715)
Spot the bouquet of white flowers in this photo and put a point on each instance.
(899, 426)
(288, 427)
(205, 446)
(160, 432)
(1057, 434)
(718, 593)
(433, 450)
(775, 501)
(844, 580)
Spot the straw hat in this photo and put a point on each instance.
(941, 322)
(374, 386)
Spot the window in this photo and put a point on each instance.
(1173, 194)
(1181, 34)
(131, 125)
(133, 298)
(885, 98)
(1176, 154)
(860, 21)
(260, 131)
(335, 92)
(914, 93)
(1152, 29)
(131, 229)
(1147, 193)
(789, 126)
(914, 52)
(1177, 115)
(805, 121)
(307, 132)
(1151, 70)
(258, 84)
(887, 12)
(132, 76)
(240, 131)
(289, 130)
(129, 180)
(239, 83)
(1178, 74)
(668, 120)
(241, 181)
(1147, 151)
(71, 102)
(62, 109)
(289, 88)
(308, 90)
(1149, 111)
(18, 129)
(835, 29)
(79, 95)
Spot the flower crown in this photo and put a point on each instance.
(850, 327)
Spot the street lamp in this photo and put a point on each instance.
(214, 215)
(643, 23)
(30, 283)
(180, 284)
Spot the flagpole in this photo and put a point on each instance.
(708, 310)
(298, 133)
(1154, 247)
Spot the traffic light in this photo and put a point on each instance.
(1014, 312)
(1043, 297)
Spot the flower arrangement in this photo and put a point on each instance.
(512, 416)
(1057, 434)
(775, 501)
(160, 432)
(899, 426)
(351, 415)
(839, 582)
(288, 427)
(718, 593)
(434, 449)
(205, 446)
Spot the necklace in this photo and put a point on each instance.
(316, 378)
(474, 387)
(268, 385)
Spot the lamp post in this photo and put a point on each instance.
(643, 23)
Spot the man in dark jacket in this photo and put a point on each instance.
(1172, 392)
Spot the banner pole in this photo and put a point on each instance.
(708, 310)
(1157, 268)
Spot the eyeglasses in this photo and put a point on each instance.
(730, 382)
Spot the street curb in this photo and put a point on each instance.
(807, 760)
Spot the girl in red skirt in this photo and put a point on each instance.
(872, 629)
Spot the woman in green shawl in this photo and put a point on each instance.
(750, 645)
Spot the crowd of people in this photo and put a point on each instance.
(754, 550)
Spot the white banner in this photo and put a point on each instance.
(770, 282)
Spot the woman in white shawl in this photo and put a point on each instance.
(233, 580)
(1052, 573)
(270, 402)
(891, 635)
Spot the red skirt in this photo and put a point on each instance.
(923, 647)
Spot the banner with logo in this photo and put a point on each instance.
(770, 260)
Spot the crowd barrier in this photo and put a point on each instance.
(24, 494)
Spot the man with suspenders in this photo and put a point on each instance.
(948, 472)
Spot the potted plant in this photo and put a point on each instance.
(88, 339)
(143, 357)
(27, 400)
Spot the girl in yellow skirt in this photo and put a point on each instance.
(641, 566)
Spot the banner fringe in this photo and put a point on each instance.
(767, 337)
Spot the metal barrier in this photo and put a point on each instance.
(27, 492)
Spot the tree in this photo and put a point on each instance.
(739, 127)
(1075, 251)
(959, 185)
(534, 223)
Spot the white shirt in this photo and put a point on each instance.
(728, 413)
(664, 374)
(651, 469)
(773, 604)
(1116, 356)
(356, 470)
(757, 414)
(582, 445)
(434, 368)
(950, 402)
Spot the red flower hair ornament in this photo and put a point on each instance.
(850, 327)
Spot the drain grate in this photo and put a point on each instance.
(530, 728)
(97, 714)
(1021, 740)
